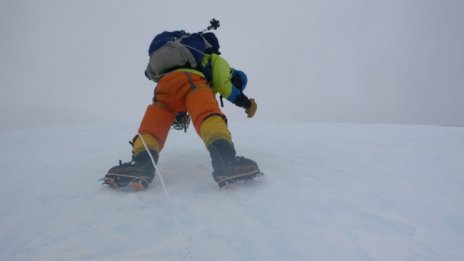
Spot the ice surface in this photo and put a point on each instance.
(330, 192)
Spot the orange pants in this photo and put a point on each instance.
(182, 91)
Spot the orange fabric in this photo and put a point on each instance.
(174, 94)
(157, 122)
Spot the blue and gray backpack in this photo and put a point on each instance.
(171, 50)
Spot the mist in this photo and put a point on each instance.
(360, 61)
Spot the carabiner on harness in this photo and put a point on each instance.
(182, 121)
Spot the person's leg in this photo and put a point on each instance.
(153, 131)
(154, 128)
(159, 116)
(211, 126)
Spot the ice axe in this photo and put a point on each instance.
(213, 24)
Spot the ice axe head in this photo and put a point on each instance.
(214, 24)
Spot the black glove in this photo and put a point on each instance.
(243, 101)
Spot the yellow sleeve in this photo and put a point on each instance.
(221, 76)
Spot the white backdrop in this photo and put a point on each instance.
(356, 61)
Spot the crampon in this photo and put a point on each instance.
(225, 181)
(134, 185)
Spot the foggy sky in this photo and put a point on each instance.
(361, 61)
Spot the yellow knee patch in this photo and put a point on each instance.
(214, 128)
(151, 142)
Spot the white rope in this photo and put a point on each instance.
(168, 196)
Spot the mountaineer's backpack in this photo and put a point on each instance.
(172, 50)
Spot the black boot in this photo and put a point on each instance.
(136, 174)
(229, 168)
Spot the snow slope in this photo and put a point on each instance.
(331, 192)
